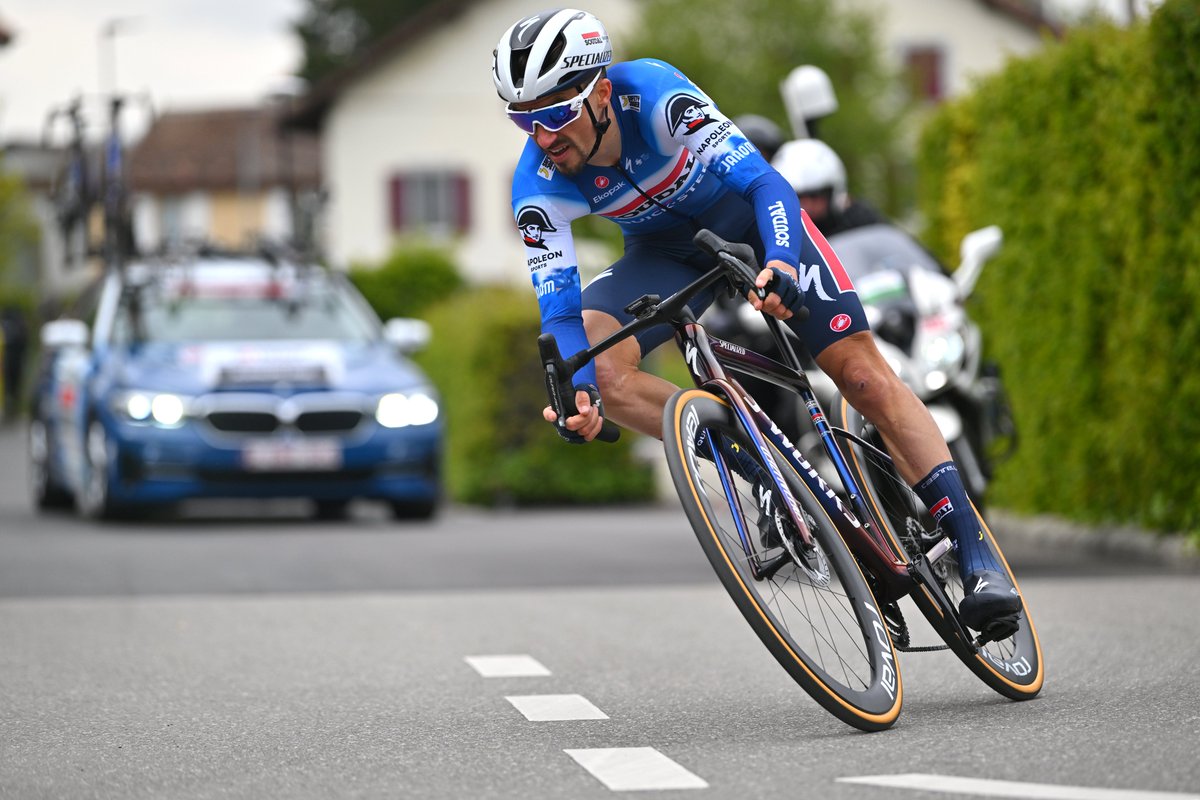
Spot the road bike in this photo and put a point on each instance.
(821, 579)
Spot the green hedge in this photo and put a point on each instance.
(484, 360)
(408, 281)
(1088, 156)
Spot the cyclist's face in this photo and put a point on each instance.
(568, 147)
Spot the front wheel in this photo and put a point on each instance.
(815, 614)
(1011, 665)
(95, 499)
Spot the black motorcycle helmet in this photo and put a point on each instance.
(762, 133)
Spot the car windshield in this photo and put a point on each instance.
(243, 315)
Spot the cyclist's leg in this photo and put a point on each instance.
(836, 332)
(632, 398)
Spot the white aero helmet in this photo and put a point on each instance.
(811, 166)
(549, 51)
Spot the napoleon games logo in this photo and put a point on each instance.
(533, 224)
(687, 112)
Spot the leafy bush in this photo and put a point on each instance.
(483, 359)
(1087, 156)
(411, 279)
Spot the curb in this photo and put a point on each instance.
(1172, 551)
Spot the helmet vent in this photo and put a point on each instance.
(554, 53)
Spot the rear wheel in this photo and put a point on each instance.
(815, 613)
(1011, 665)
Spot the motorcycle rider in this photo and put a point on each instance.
(639, 143)
(818, 177)
(762, 133)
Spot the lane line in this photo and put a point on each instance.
(555, 707)
(515, 666)
(631, 769)
(981, 787)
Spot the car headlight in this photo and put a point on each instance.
(398, 410)
(157, 408)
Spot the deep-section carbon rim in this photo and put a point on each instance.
(1011, 666)
(816, 614)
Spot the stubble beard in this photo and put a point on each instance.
(572, 167)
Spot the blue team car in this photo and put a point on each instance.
(232, 377)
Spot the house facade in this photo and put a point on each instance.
(226, 177)
(415, 142)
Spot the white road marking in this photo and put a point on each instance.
(630, 769)
(507, 666)
(555, 707)
(989, 788)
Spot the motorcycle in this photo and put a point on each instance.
(917, 314)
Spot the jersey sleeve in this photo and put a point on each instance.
(684, 116)
(544, 225)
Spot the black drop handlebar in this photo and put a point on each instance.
(735, 261)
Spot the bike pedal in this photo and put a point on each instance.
(999, 628)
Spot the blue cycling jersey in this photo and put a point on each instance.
(679, 149)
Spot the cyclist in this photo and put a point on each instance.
(640, 144)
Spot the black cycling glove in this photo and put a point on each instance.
(594, 394)
(785, 286)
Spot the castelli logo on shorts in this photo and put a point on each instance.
(839, 323)
(601, 182)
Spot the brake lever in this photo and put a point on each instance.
(561, 391)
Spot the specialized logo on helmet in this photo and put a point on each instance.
(687, 112)
(533, 224)
(526, 31)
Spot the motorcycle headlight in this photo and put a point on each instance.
(397, 410)
(157, 408)
(943, 351)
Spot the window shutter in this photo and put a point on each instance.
(462, 202)
(396, 202)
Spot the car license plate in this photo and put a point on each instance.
(292, 455)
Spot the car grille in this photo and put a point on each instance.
(249, 415)
(243, 421)
(328, 421)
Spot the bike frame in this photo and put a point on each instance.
(706, 357)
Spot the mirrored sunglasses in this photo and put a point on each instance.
(556, 117)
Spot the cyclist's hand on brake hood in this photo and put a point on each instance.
(584, 426)
(785, 295)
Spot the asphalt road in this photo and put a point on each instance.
(244, 651)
